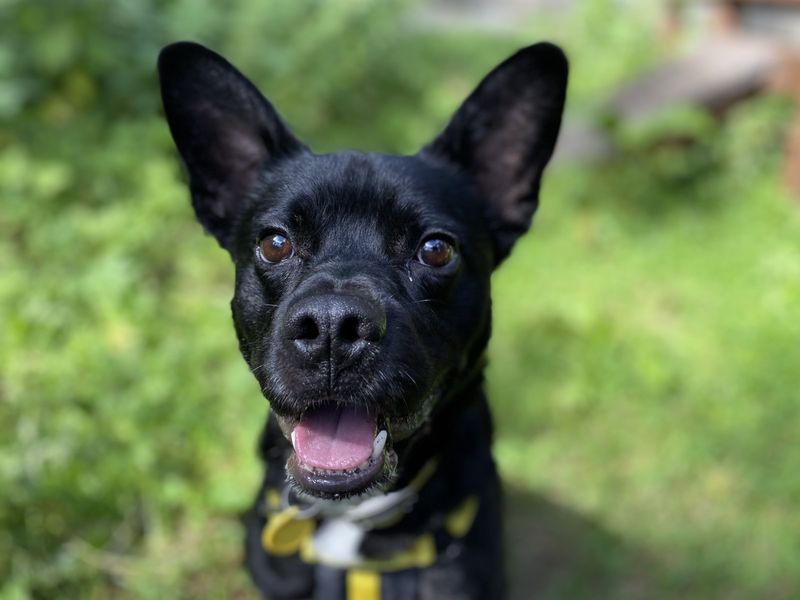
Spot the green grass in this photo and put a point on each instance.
(644, 374)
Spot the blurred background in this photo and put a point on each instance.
(645, 367)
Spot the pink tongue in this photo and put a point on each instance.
(334, 438)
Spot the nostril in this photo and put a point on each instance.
(349, 329)
(305, 328)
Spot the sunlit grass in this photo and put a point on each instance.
(644, 373)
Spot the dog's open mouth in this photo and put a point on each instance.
(339, 451)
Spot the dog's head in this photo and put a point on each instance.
(362, 280)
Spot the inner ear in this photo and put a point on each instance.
(225, 130)
(504, 134)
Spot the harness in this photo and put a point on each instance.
(329, 534)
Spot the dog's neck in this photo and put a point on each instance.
(463, 413)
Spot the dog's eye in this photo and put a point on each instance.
(436, 252)
(275, 247)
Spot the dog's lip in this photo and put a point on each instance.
(332, 484)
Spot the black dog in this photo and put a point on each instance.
(362, 307)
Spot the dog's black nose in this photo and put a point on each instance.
(334, 326)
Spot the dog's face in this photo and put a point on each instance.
(362, 280)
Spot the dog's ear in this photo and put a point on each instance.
(225, 130)
(504, 134)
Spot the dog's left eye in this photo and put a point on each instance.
(436, 252)
(275, 247)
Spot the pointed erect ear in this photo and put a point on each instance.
(504, 134)
(225, 131)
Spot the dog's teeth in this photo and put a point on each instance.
(378, 444)
(293, 435)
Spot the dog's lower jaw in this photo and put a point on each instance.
(379, 475)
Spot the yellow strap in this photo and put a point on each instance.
(363, 585)
(284, 533)
(272, 497)
(425, 473)
(460, 520)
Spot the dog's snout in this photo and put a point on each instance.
(334, 326)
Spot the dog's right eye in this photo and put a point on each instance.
(275, 247)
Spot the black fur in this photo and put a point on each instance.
(356, 223)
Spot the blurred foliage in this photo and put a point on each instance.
(646, 332)
(646, 341)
